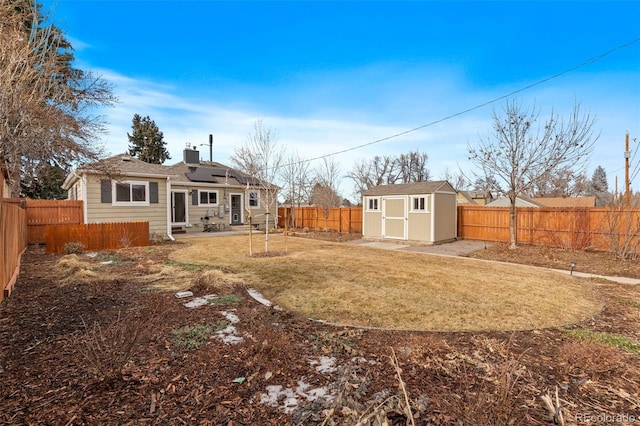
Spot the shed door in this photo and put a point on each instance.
(394, 218)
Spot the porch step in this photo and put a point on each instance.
(178, 230)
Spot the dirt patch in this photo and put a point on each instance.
(121, 348)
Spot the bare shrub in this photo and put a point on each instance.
(107, 349)
(623, 230)
(74, 247)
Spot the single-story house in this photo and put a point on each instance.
(420, 211)
(474, 197)
(570, 202)
(190, 196)
(520, 202)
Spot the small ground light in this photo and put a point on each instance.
(572, 265)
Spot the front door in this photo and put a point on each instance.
(236, 209)
(178, 207)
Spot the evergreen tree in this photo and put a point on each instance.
(147, 141)
(599, 187)
(46, 184)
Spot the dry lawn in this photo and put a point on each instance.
(353, 285)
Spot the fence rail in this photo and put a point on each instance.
(97, 236)
(13, 241)
(340, 219)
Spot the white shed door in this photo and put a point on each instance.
(394, 214)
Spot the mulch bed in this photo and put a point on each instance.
(103, 351)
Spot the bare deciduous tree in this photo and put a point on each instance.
(47, 108)
(520, 152)
(561, 182)
(325, 191)
(261, 158)
(297, 182)
(413, 167)
(457, 179)
(405, 168)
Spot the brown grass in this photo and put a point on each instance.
(363, 286)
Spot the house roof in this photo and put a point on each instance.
(180, 173)
(588, 201)
(411, 188)
(520, 202)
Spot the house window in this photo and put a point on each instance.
(372, 204)
(208, 198)
(131, 193)
(254, 201)
(419, 204)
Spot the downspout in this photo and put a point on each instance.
(83, 188)
(168, 203)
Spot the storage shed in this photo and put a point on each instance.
(420, 211)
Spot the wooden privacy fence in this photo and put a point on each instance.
(340, 219)
(42, 213)
(13, 241)
(573, 228)
(97, 236)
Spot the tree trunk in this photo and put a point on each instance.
(512, 225)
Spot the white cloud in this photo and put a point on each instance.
(337, 111)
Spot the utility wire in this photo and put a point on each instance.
(482, 105)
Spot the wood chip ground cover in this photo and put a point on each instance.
(447, 378)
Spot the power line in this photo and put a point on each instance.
(482, 105)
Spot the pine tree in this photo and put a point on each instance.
(599, 187)
(147, 142)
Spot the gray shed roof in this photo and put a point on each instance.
(411, 188)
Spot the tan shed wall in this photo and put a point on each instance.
(445, 217)
(419, 227)
(155, 214)
(372, 224)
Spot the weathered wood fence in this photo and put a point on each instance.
(13, 241)
(340, 219)
(97, 236)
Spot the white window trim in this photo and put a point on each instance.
(377, 199)
(248, 198)
(114, 197)
(426, 204)
(200, 203)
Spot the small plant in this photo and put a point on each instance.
(74, 247)
(227, 299)
(610, 339)
(195, 336)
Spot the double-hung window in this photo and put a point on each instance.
(253, 199)
(208, 198)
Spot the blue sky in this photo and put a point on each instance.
(330, 76)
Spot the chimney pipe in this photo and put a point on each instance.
(210, 148)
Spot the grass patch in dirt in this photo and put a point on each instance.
(195, 336)
(227, 299)
(610, 339)
(363, 286)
